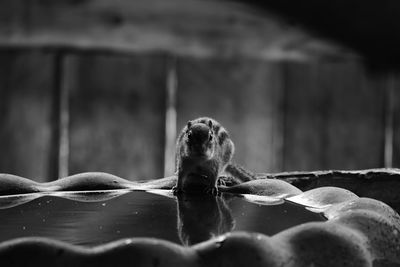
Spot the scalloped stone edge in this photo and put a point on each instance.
(358, 232)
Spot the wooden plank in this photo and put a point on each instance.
(334, 117)
(393, 81)
(64, 81)
(170, 117)
(185, 27)
(25, 113)
(117, 113)
(304, 118)
(245, 96)
(355, 122)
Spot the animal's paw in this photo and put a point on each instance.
(175, 190)
(225, 180)
(212, 191)
(222, 180)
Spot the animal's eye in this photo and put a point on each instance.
(210, 138)
(189, 135)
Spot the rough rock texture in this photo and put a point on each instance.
(358, 232)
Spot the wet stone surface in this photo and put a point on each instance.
(95, 218)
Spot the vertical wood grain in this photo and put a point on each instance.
(26, 83)
(335, 117)
(304, 118)
(395, 83)
(245, 96)
(67, 82)
(389, 106)
(63, 81)
(170, 116)
(117, 113)
(356, 117)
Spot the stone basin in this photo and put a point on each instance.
(100, 219)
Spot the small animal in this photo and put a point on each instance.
(203, 151)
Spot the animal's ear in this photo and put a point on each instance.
(210, 123)
(189, 124)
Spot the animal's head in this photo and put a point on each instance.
(199, 137)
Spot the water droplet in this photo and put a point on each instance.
(103, 204)
(219, 240)
(23, 227)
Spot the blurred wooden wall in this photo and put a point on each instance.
(65, 113)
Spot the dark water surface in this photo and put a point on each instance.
(139, 214)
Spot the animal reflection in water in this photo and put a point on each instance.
(201, 217)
